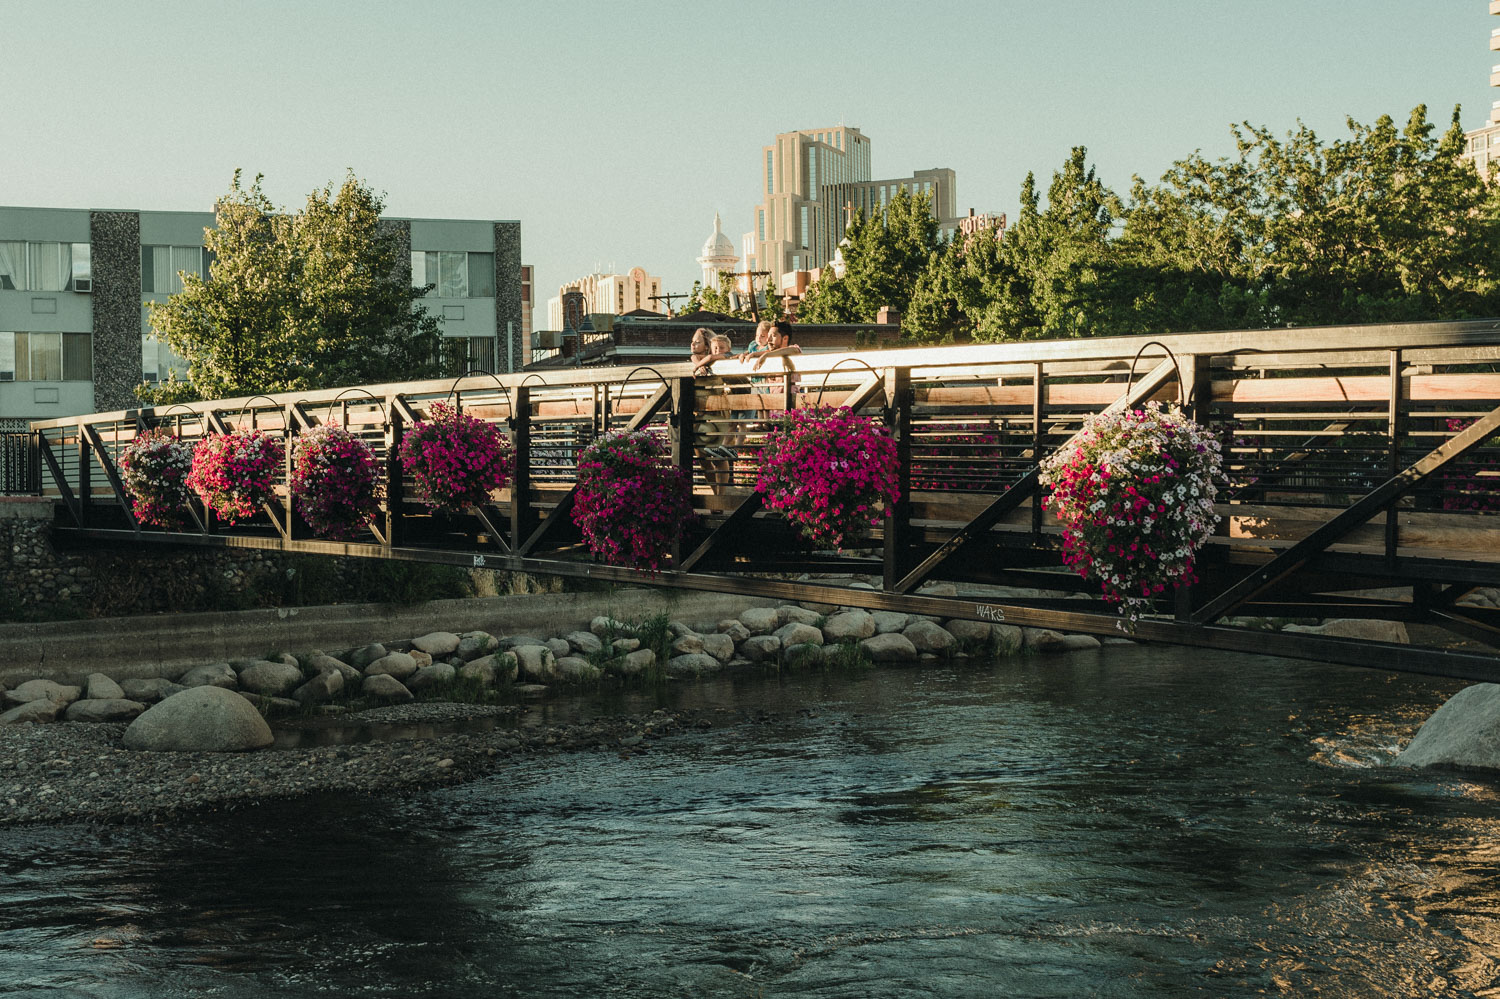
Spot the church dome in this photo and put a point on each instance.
(718, 244)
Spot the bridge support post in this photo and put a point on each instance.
(522, 517)
(85, 487)
(897, 556)
(1197, 404)
(684, 401)
(395, 430)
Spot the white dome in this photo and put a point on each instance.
(718, 245)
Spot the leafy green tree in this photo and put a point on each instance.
(884, 257)
(316, 299)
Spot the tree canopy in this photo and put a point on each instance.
(316, 299)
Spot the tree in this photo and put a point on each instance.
(884, 257)
(317, 299)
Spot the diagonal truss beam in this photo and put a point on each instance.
(871, 388)
(60, 480)
(1024, 488)
(1380, 498)
(116, 486)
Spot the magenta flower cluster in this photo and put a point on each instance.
(235, 473)
(333, 481)
(457, 460)
(631, 502)
(1469, 483)
(957, 457)
(1135, 493)
(831, 472)
(155, 470)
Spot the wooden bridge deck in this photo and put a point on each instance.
(1359, 458)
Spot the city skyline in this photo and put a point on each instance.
(492, 111)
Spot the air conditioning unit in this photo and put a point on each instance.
(546, 339)
(83, 285)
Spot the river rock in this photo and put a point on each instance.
(792, 614)
(760, 620)
(686, 645)
(850, 626)
(103, 709)
(622, 645)
(721, 647)
(149, 690)
(1346, 627)
(436, 643)
(319, 662)
(679, 628)
(37, 712)
(211, 675)
(42, 690)
(1464, 732)
(366, 654)
(608, 628)
(928, 637)
(270, 679)
(760, 648)
(1042, 639)
(696, 664)
(429, 677)
(559, 648)
(633, 663)
(535, 661)
(419, 657)
(889, 621)
(490, 670)
(737, 632)
(796, 633)
(516, 641)
(891, 647)
(1007, 639)
(320, 689)
(585, 642)
(475, 644)
(99, 687)
(1078, 643)
(397, 664)
(384, 687)
(575, 669)
(206, 719)
(974, 632)
(803, 655)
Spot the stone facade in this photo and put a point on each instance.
(116, 239)
(508, 296)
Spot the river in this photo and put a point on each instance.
(1130, 822)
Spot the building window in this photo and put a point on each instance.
(162, 267)
(454, 273)
(44, 266)
(762, 214)
(769, 184)
(803, 227)
(812, 173)
(46, 357)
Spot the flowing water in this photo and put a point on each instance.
(1132, 822)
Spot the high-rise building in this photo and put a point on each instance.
(1484, 143)
(616, 294)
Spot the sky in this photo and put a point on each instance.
(615, 130)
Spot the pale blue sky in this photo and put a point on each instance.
(614, 131)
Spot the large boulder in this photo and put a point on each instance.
(490, 670)
(149, 690)
(761, 648)
(1347, 627)
(99, 687)
(575, 669)
(792, 614)
(559, 648)
(535, 661)
(585, 642)
(721, 647)
(798, 634)
(609, 628)
(973, 632)
(737, 632)
(760, 620)
(42, 690)
(687, 645)
(476, 644)
(696, 664)
(103, 709)
(889, 621)
(1007, 639)
(205, 719)
(891, 647)
(850, 626)
(319, 662)
(432, 677)
(37, 712)
(632, 663)
(926, 636)
(1042, 640)
(321, 689)
(437, 643)
(211, 675)
(516, 641)
(1464, 732)
(384, 687)
(270, 679)
(363, 656)
(397, 664)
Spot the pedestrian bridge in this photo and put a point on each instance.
(1364, 467)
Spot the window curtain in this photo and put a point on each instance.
(453, 277)
(161, 271)
(185, 258)
(13, 264)
(51, 266)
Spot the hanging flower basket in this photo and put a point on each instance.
(631, 503)
(456, 460)
(155, 470)
(333, 481)
(235, 473)
(831, 472)
(1135, 493)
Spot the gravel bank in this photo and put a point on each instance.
(75, 772)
